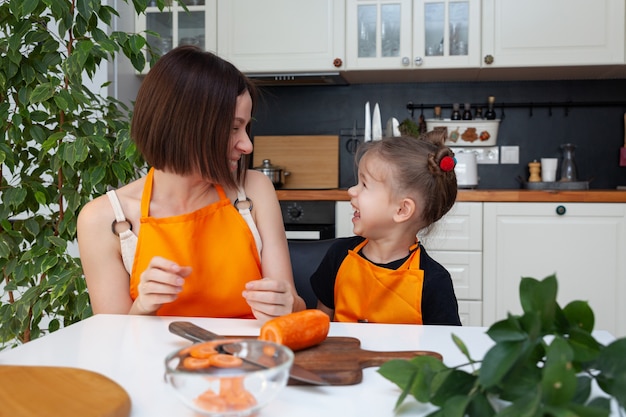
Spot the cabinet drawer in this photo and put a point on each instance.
(466, 270)
(460, 229)
(471, 313)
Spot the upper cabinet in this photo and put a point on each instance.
(552, 33)
(282, 35)
(177, 26)
(409, 34)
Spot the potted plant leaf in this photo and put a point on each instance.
(61, 145)
(544, 362)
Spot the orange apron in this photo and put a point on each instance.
(367, 292)
(215, 241)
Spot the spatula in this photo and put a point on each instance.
(622, 151)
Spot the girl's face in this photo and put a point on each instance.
(372, 198)
(240, 143)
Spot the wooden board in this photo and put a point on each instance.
(36, 391)
(312, 161)
(340, 360)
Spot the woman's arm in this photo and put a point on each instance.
(108, 281)
(100, 255)
(274, 295)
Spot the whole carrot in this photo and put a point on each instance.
(298, 330)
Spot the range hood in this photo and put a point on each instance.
(298, 79)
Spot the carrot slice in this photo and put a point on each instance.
(204, 350)
(298, 330)
(196, 363)
(223, 360)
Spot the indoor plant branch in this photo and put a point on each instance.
(61, 146)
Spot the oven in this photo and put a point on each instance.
(308, 220)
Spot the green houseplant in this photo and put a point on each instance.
(543, 363)
(61, 145)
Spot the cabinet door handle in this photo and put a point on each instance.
(488, 59)
(560, 210)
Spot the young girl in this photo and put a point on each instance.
(383, 274)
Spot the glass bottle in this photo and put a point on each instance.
(467, 112)
(479, 113)
(456, 114)
(490, 114)
(568, 165)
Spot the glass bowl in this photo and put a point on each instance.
(219, 378)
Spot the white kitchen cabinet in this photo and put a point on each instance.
(410, 34)
(456, 242)
(584, 244)
(343, 219)
(282, 35)
(552, 32)
(177, 26)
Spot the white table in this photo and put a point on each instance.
(131, 351)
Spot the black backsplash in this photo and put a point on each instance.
(596, 130)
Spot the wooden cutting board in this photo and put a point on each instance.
(312, 161)
(36, 391)
(340, 360)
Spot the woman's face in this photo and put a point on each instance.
(240, 143)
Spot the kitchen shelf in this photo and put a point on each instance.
(477, 195)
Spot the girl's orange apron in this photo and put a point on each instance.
(367, 292)
(215, 241)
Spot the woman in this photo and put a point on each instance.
(199, 235)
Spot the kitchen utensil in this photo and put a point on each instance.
(51, 391)
(368, 123)
(622, 151)
(273, 172)
(237, 391)
(340, 360)
(353, 142)
(377, 126)
(466, 169)
(313, 160)
(393, 128)
(197, 334)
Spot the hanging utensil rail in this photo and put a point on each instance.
(566, 105)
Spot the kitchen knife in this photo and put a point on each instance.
(368, 123)
(197, 334)
(377, 126)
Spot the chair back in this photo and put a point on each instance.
(306, 255)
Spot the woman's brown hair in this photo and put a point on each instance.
(417, 167)
(184, 111)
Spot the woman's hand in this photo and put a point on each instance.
(159, 284)
(269, 298)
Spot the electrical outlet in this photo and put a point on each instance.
(509, 154)
(484, 154)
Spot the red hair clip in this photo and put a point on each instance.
(447, 163)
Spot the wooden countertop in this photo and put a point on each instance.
(514, 196)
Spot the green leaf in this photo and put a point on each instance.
(612, 364)
(42, 93)
(456, 382)
(508, 330)
(459, 344)
(559, 377)
(579, 314)
(528, 405)
(498, 361)
(540, 296)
